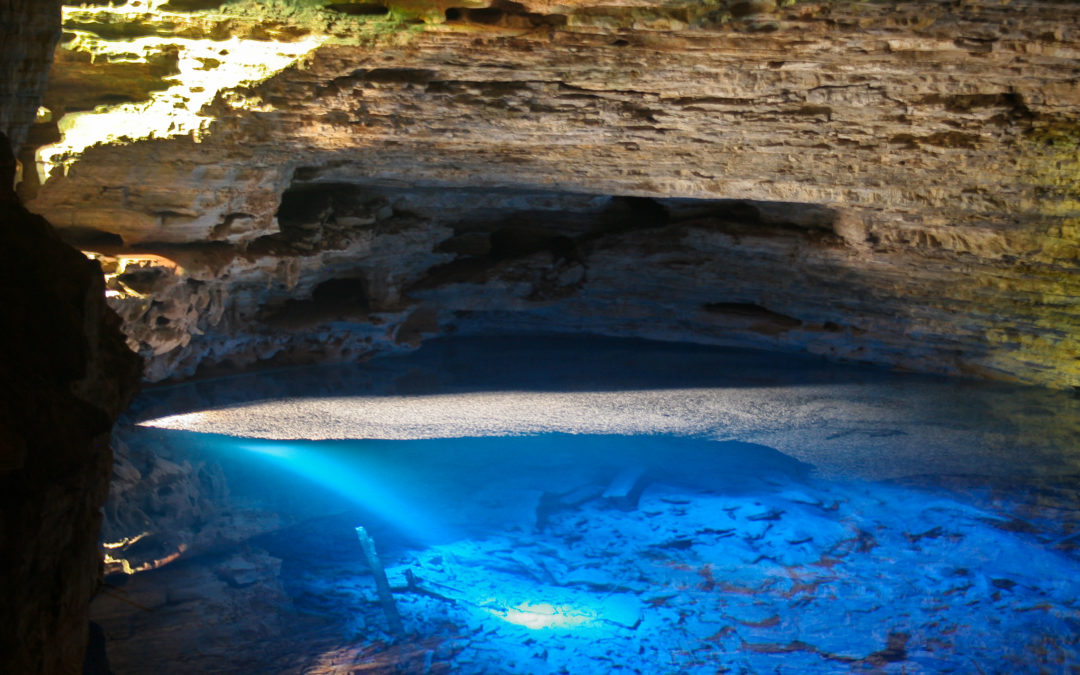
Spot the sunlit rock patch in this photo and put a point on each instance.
(198, 71)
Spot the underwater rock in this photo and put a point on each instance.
(891, 184)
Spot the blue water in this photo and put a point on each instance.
(743, 549)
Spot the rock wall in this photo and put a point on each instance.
(27, 40)
(66, 375)
(885, 182)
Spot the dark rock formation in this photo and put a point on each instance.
(66, 376)
(29, 30)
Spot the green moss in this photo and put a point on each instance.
(1055, 153)
(361, 23)
(1051, 167)
(266, 20)
(191, 5)
(740, 15)
(430, 11)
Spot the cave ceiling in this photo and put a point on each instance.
(887, 182)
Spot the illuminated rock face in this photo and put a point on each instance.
(893, 183)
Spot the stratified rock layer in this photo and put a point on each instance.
(885, 182)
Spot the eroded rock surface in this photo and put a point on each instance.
(886, 182)
(155, 504)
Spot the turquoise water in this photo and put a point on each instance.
(643, 508)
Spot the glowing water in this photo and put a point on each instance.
(764, 538)
(359, 481)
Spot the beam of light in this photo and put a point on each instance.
(193, 421)
(543, 615)
(464, 414)
(357, 479)
(207, 68)
(725, 412)
(800, 421)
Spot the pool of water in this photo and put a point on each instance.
(558, 505)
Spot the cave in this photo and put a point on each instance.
(483, 336)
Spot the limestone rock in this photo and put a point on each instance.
(893, 183)
(228, 613)
(157, 506)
